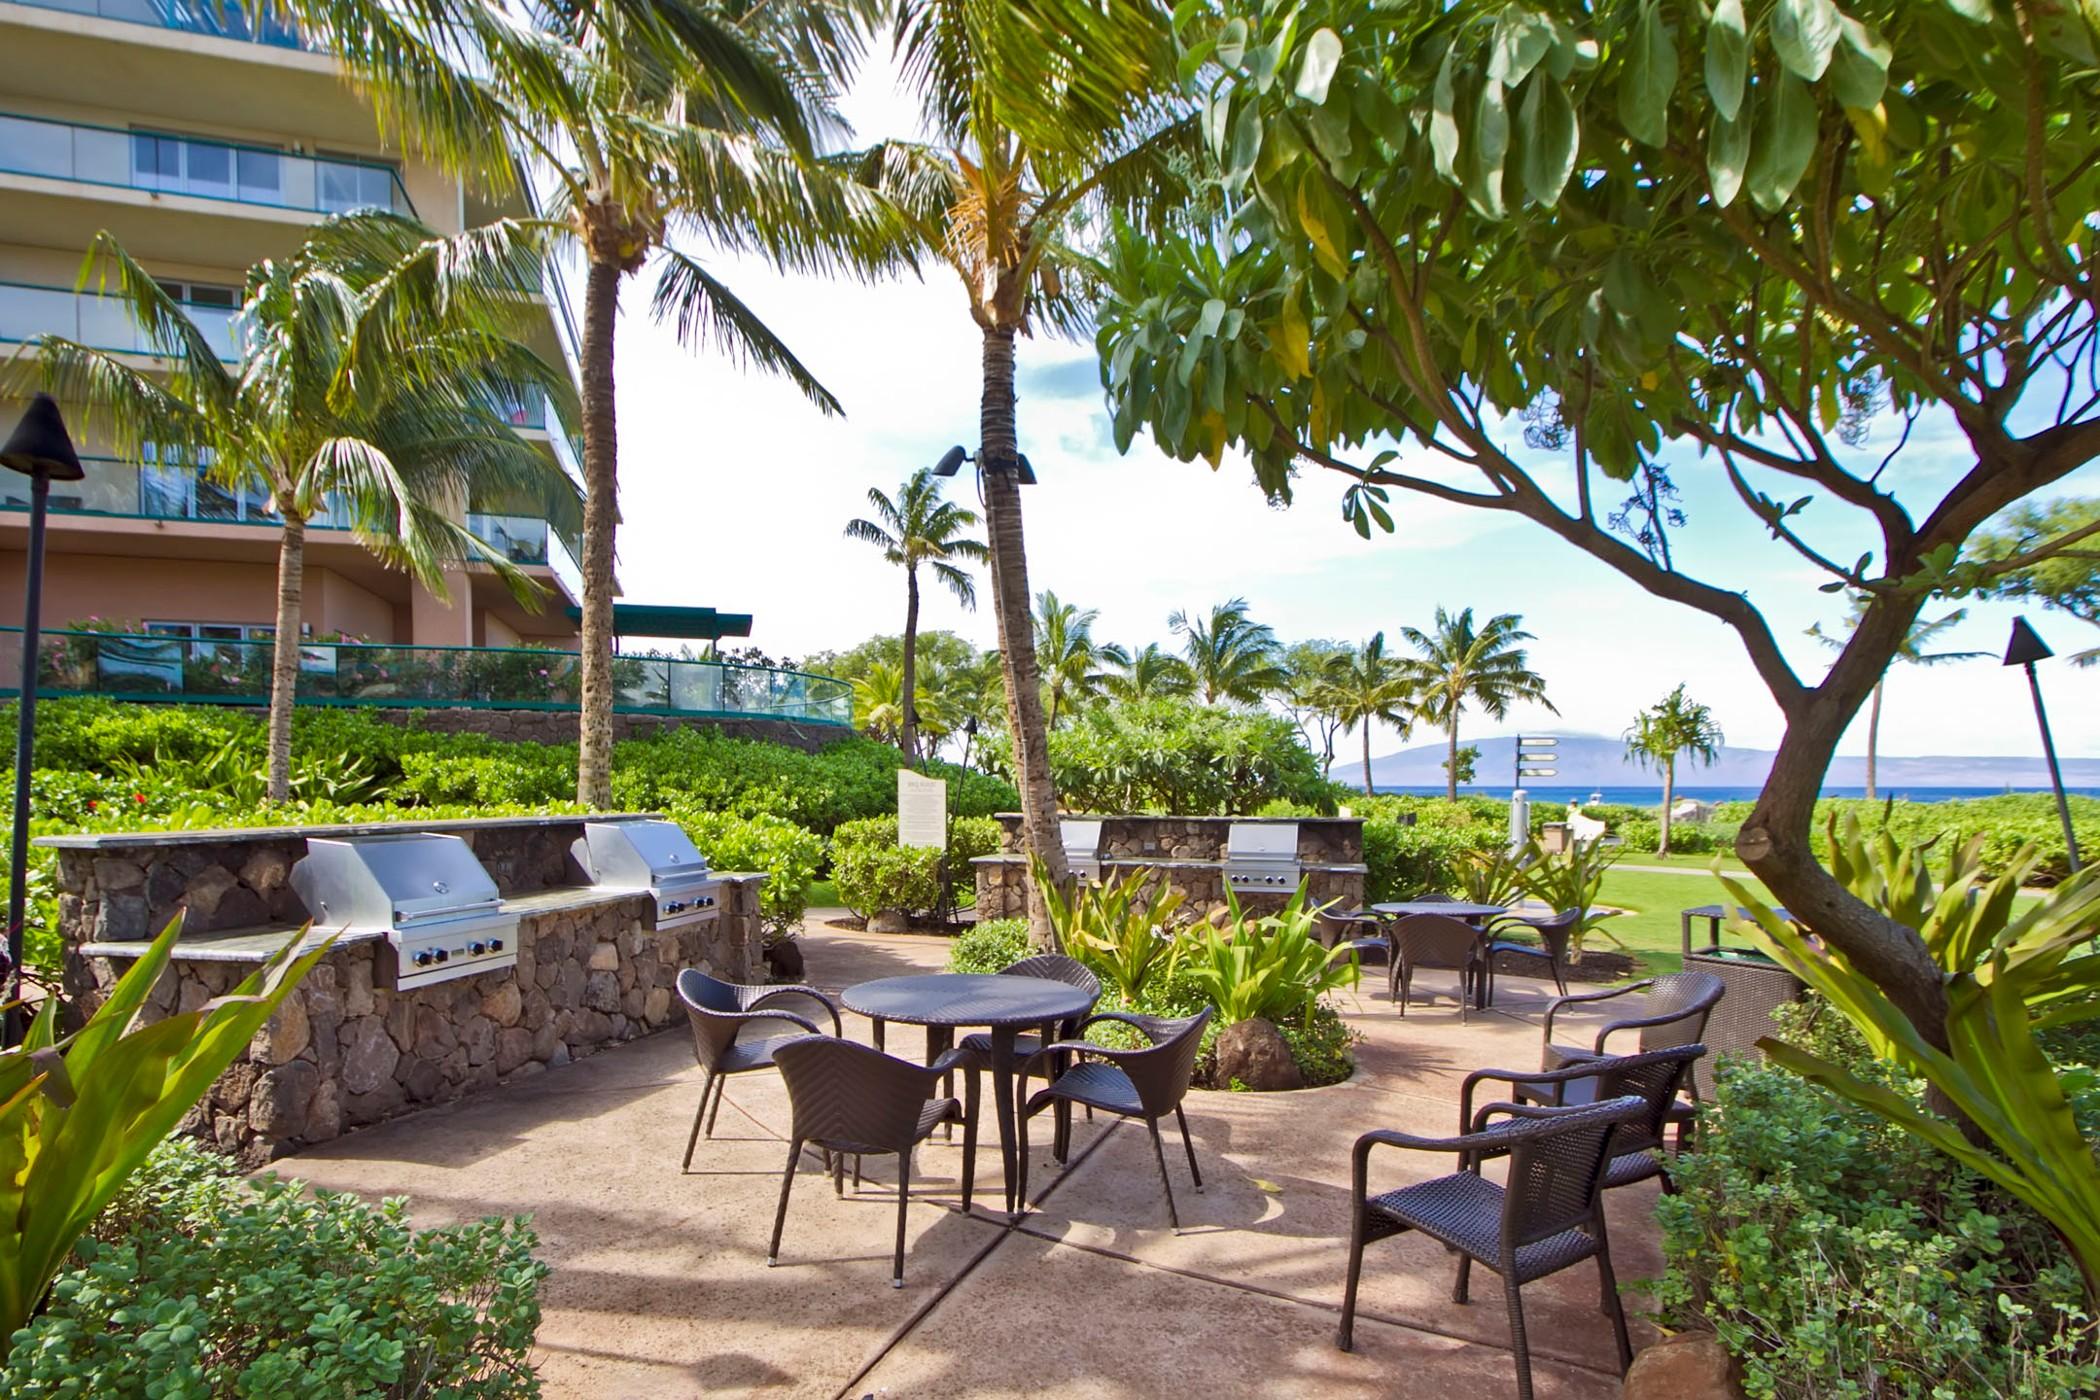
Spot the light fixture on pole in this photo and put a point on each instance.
(41, 450)
(2024, 649)
(952, 460)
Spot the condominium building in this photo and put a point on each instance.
(206, 144)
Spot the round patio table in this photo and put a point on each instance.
(1453, 909)
(1004, 1005)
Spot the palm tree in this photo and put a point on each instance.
(1144, 673)
(1072, 661)
(650, 120)
(372, 361)
(1036, 111)
(878, 702)
(1914, 651)
(1231, 656)
(919, 527)
(1678, 725)
(1458, 665)
(1368, 687)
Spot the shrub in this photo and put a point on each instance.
(2006, 822)
(1122, 930)
(1183, 757)
(1322, 1044)
(992, 945)
(874, 875)
(198, 1284)
(1838, 1256)
(1270, 966)
(787, 854)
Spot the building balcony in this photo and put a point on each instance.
(226, 20)
(124, 490)
(195, 166)
(140, 666)
(101, 322)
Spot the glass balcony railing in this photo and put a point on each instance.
(522, 539)
(137, 666)
(101, 322)
(169, 163)
(159, 493)
(562, 559)
(224, 20)
(529, 412)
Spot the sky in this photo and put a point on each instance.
(735, 492)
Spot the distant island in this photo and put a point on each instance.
(1597, 761)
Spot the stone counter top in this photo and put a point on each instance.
(233, 835)
(1167, 863)
(1179, 817)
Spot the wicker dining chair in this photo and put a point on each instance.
(1549, 1217)
(720, 1013)
(1554, 932)
(852, 1099)
(1655, 1078)
(1674, 1012)
(1435, 941)
(1145, 1083)
(1052, 967)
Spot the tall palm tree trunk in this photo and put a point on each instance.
(1662, 845)
(601, 517)
(997, 459)
(1367, 759)
(1873, 735)
(910, 742)
(284, 652)
(1451, 759)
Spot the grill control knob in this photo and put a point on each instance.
(495, 945)
(477, 947)
(423, 958)
(442, 955)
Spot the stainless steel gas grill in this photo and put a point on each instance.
(653, 856)
(439, 910)
(1082, 841)
(1262, 856)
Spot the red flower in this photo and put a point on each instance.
(139, 797)
(93, 804)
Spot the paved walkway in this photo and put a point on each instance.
(659, 1286)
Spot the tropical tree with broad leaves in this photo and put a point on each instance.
(1370, 687)
(1915, 650)
(2067, 580)
(1232, 657)
(1308, 695)
(645, 124)
(1458, 664)
(372, 363)
(1675, 727)
(1038, 113)
(920, 527)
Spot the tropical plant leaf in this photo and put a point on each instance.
(1648, 78)
(1727, 58)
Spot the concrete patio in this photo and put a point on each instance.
(659, 1285)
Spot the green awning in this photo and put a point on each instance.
(693, 624)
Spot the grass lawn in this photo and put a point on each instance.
(1651, 929)
(823, 895)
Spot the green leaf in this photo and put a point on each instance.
(1551, 137)
(1803, 34)
(1443, 119)
(1490, 149)
(1648, 79)
(1246, 143)
(1521, 38)
(1977, 11)
(1325, 223)
(1786, 142)
(1323, 54)
(1727, 58)
(1217, 120)
(1859, 68)
(1727, 156)
(1232, 44)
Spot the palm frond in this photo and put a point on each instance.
(706, 313)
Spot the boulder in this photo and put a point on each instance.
(601, 992)
(1253, 1052)
(513, 1048)
(280, 1108)
(504, 1004)
(369, 1056)
(283, 1036)
(1688, 1366)
(605, 958)
(784, 960)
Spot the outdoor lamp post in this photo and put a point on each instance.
(41, 450)
(2024, 649)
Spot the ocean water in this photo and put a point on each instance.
(1652, 796)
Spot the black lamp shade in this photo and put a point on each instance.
(951, 462)
(970, 726)
(40, 445)
(2025, 648)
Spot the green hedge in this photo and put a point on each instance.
(197, 1284)
(788, 855)
(1407, 859)
(874, 875)
(1183, 757)
(1838, 1256)
(2007, 822)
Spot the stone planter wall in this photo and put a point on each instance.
(1321, 840)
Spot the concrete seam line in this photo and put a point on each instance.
(1005, 1231)
(1022, 1227)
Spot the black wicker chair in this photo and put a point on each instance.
(1435, 941)
(720, 1012)
(1052, 967)
(1549, 1217)
(1146, 1083)
(1675, 1012)
(1654, 1078)
(853, 1099)
(1554, 933)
